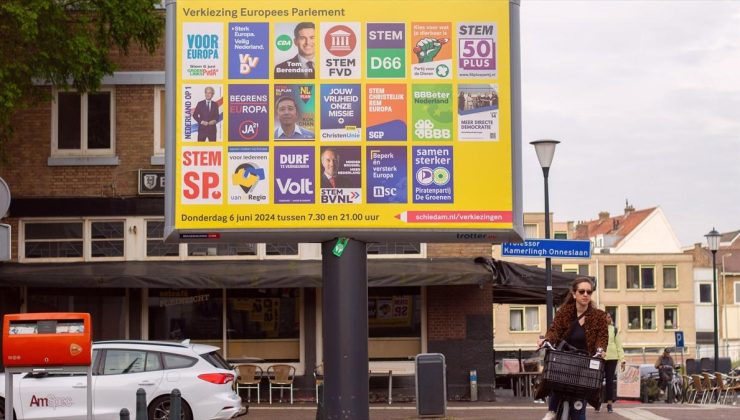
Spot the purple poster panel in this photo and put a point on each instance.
(248, 51)
(249, 113)
(341, 112)
(341, 174)
(386, 174)
(432, 171)
(294, 175)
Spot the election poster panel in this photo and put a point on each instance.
(431, 50)
(386, 50)
(341, 112)
(249, 174)
(476, 46)
(295, 175)
(431, 111)
(295, 107)
(477, 112)
(202, 51)
(249, 50)
(249, 113)
(341, 175)
(386, 112)
(381, 120)
(202, 116)
(295, 50)
(340, 51)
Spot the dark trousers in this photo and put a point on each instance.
(610, 370)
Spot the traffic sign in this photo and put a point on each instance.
(547, 248)
(679, 340)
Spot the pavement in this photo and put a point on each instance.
(506, 408)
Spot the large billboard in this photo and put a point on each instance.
(316, 119)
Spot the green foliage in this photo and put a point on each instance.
(66, 43)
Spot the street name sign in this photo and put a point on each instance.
(547, 248)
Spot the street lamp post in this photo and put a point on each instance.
(545, 151)
(713, 242)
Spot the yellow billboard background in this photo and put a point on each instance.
(482, 170)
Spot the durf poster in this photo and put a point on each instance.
(316, 119)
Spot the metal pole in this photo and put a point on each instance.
(716, 339)
(548, 261)
(9, 393)
(345, 330)
(175, 404)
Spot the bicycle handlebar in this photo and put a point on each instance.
(545, 343)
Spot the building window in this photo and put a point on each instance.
(155, 245)
(53, 240)
(669, 277)
(274, 249)
(557, 267)
(640, 277)
(670, 318)
(560, 235)
(159, 124)
(582, 269)
(530, 231)
(177, 314)
(83, 124)
(614, 312)
(221, 249)
(705, 293)
(394, 248)
(106, 239)
(394, 321)
(525, 318)
(611, 280)
(106, 306)
(737, 293)
(641, 318)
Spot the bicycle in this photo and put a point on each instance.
(675, 389)
(572, 375)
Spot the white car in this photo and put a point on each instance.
(203, 377)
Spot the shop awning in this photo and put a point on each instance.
(238, 274)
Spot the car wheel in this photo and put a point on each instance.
(2, 409)
(159, 409)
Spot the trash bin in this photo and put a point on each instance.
(431, 385)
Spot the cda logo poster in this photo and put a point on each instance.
(202, 50)
(341, 112)
(248, 169)
(431, 112)
(340, 51)
(248, 113)
(477, 112)
(249, 56)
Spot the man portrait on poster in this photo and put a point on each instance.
(206, 114)
(302, 65)
(288, 116)
(330, 177)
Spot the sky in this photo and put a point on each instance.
(644, 97)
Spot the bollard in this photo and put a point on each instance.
(124, 415)
(141, 413)
(175, 405)
(473, 385)
(320, 415)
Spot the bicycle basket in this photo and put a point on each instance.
(572, 373)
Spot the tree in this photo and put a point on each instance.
(66, 43)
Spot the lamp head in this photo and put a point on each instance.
(713, 240)
(545, 150)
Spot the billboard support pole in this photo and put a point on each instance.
(345, 331)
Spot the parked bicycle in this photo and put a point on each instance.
(573, 375)
(674, 388)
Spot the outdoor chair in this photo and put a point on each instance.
(318, 376)
(281, 377)
(249, 378)
(709, 386)
(699, 390)
(688, 388)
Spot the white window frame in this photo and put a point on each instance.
(157, 148)
(536, 230)
(86, 239)
(523, 310)
(83, 151)
(662, 274)
(421, 255)
(643, 307)
(678, 317)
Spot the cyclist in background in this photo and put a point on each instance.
(665, 364)
(584, 327)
